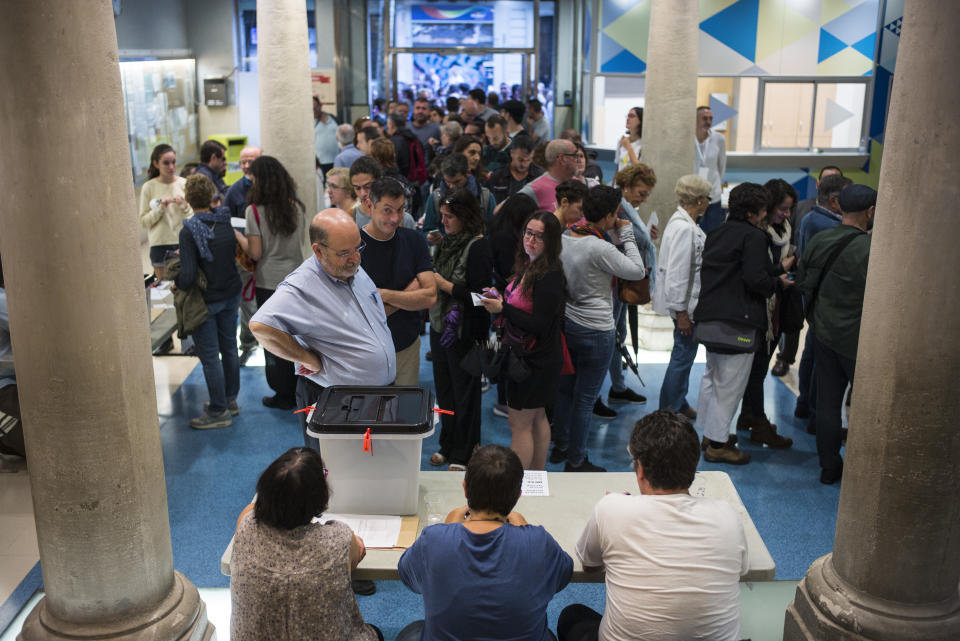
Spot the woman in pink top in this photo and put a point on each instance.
(533, 323)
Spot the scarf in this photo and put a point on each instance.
(449, 252)
(202, 233)
(584, 228)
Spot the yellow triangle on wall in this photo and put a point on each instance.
(712, 7)
(849, 62)
(632, 30)
(832, 9)
(779, 26)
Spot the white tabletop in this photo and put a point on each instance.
(563, 514)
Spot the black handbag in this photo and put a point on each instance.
(517, 369)
(726, 336)
(483, 359)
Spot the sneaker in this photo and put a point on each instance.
(500, 409)
(586, 466)
(689, 412)
(277, 403)
(211, 421)
(232, 407)
(484, 384)
(764, 432)
(626, 396)
(802, 410)
(780, 368)
(246, 354)
(704, 442)
(557, 455)
(602, 411)
(726, 454)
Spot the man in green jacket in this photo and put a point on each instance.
(832, 275)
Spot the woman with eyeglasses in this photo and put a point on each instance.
(162, 206)
(339, 190)
(629, 146)
(462, 264)
(532, 312)
(289, 576)
(274, 238)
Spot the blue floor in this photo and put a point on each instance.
(211, 476)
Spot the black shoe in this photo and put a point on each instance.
(780, 368)
(829, 477)
(246, 354)
(812, 426)
(363, 587)
(802, 410)
(586, 466)
(277, 403)
(428, 355)
(626, 396)
(602, 411)
(557, 455)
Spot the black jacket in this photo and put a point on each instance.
(402, 140)
(737, 276)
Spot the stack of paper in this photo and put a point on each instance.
(376, 531)
(535, 483)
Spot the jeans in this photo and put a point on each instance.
(833, 373)
(806, 377)
(216, 346)
(590, 351)
(676, 380)
(281, 374)
(618, 381)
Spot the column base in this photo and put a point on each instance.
(827, 608)
(181, 616)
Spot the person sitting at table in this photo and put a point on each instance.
(673, 561)
(290, 577)
(485, 573)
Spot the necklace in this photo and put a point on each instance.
(499, 519)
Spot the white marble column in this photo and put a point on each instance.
(895, 566)
(286, 102)
(80, 335)
(670, 101)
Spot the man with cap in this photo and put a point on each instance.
(832, 275)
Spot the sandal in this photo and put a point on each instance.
(437, 459)
(456, 467)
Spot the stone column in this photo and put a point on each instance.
(670, 102)
(895, 567)
(80, 334)
(286, 102)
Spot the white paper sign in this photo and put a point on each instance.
(376, 531)
(535, 483)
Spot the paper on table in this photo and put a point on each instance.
(376, 531)
(654, 220)
(158, 294)
(535, 483)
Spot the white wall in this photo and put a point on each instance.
(146, 24)
(211, 35)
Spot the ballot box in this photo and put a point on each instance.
(371, 440)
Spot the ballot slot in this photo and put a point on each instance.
(383, 410)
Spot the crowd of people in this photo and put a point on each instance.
(501, 246)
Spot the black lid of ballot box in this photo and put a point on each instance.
(343, 409)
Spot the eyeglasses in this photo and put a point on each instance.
(347, 253)
(533, 235)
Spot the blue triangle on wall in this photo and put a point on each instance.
(831, 45)
(867, 46)
(736, 27)
(623, 62)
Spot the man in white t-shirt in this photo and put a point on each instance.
(673, 561)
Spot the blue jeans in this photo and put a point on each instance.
(676, 381)
(618, 382)
(590, 351)
(216, 346)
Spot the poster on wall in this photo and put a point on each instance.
(449, 24)
(323, 84)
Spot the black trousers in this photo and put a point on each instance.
(789, 344)
(753, 393)
(456, 390)
(307, 393)
(281, 376)
(834, 372)
(578, 623)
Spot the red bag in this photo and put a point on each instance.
(248, 264)
(567, 368)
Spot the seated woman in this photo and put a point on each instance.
(485, 573)
(290, 577)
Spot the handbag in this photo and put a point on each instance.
(248, 264)
(726, 336)
(634, 292)
(484, 359)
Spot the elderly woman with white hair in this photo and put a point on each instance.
(677, 287)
